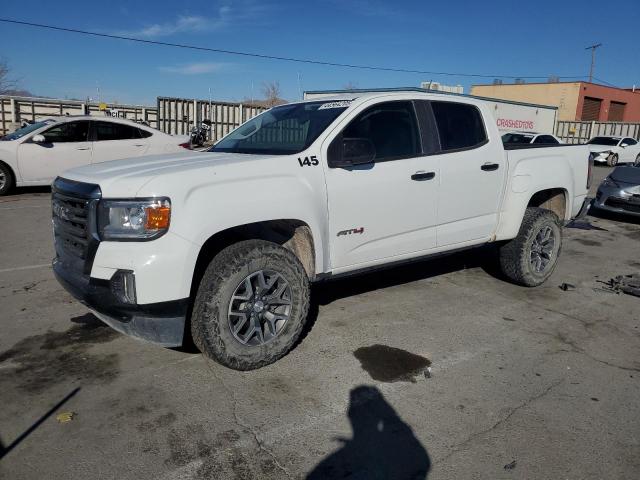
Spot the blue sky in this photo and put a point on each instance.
(493, 38)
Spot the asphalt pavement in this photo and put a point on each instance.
(439, 369)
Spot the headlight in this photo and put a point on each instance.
(141, 219)
(608, 182)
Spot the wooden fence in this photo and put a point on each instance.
(15, 110)
(179, 115)
(580, 132)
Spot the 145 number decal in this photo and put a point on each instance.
(308, 161)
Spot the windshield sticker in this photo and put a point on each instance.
(340, 104)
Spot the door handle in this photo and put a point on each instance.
(420, 176)
(83, 148)
(139, 145)
(490, 167)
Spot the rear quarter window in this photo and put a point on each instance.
(460, 126)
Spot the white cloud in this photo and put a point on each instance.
(197, 68)
(242, 12)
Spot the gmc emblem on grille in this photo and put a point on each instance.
(60, 211)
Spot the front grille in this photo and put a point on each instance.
(622, 204)
(70, 222)
(73, 207)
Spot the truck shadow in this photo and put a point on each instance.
(324, 293)
(17, 192)
(382, 446)
(482, 257)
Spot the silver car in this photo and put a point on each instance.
(620, 191)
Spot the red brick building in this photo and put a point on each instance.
(607, 104)
(575, 100)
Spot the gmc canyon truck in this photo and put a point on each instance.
(224, 245)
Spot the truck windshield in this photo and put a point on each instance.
(612, 142)
(282, 130)
(21, 132)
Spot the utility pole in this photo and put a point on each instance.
(593, 59)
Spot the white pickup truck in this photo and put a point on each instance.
(224, 244)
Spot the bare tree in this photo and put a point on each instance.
(6, 83)
(9, 85)
(271, 92)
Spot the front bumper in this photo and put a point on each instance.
(618, 200)
(161, 323)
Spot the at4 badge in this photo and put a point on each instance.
(351, 231)
(308, 161)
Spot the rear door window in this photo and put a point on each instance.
(115, 131)
(68, 132)
(460, 126)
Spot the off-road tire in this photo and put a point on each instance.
(515, 256)
(209, 321)
(7, 174)
(612, 160)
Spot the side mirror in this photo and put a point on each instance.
(38, 139)
(347, 152)
(624, 145)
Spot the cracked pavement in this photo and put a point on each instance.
(547, 378)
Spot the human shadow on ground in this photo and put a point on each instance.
(382, 446)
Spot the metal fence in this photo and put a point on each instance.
(172, 115)
(15, 110)
(580, 132)
(178, 115)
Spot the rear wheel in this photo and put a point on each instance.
(531, 257)
(612, 160)
(637, 162)
(6, 179)
(251, 305)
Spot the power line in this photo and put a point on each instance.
(605, 82)
(265, 56)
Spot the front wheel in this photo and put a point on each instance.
(531, 257)
(612, 161)
(251, 305)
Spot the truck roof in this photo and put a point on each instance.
(373, 92)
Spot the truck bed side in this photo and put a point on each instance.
(558, 173)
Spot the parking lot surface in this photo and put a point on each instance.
(525, 383)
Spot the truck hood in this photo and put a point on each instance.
(124, 178)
